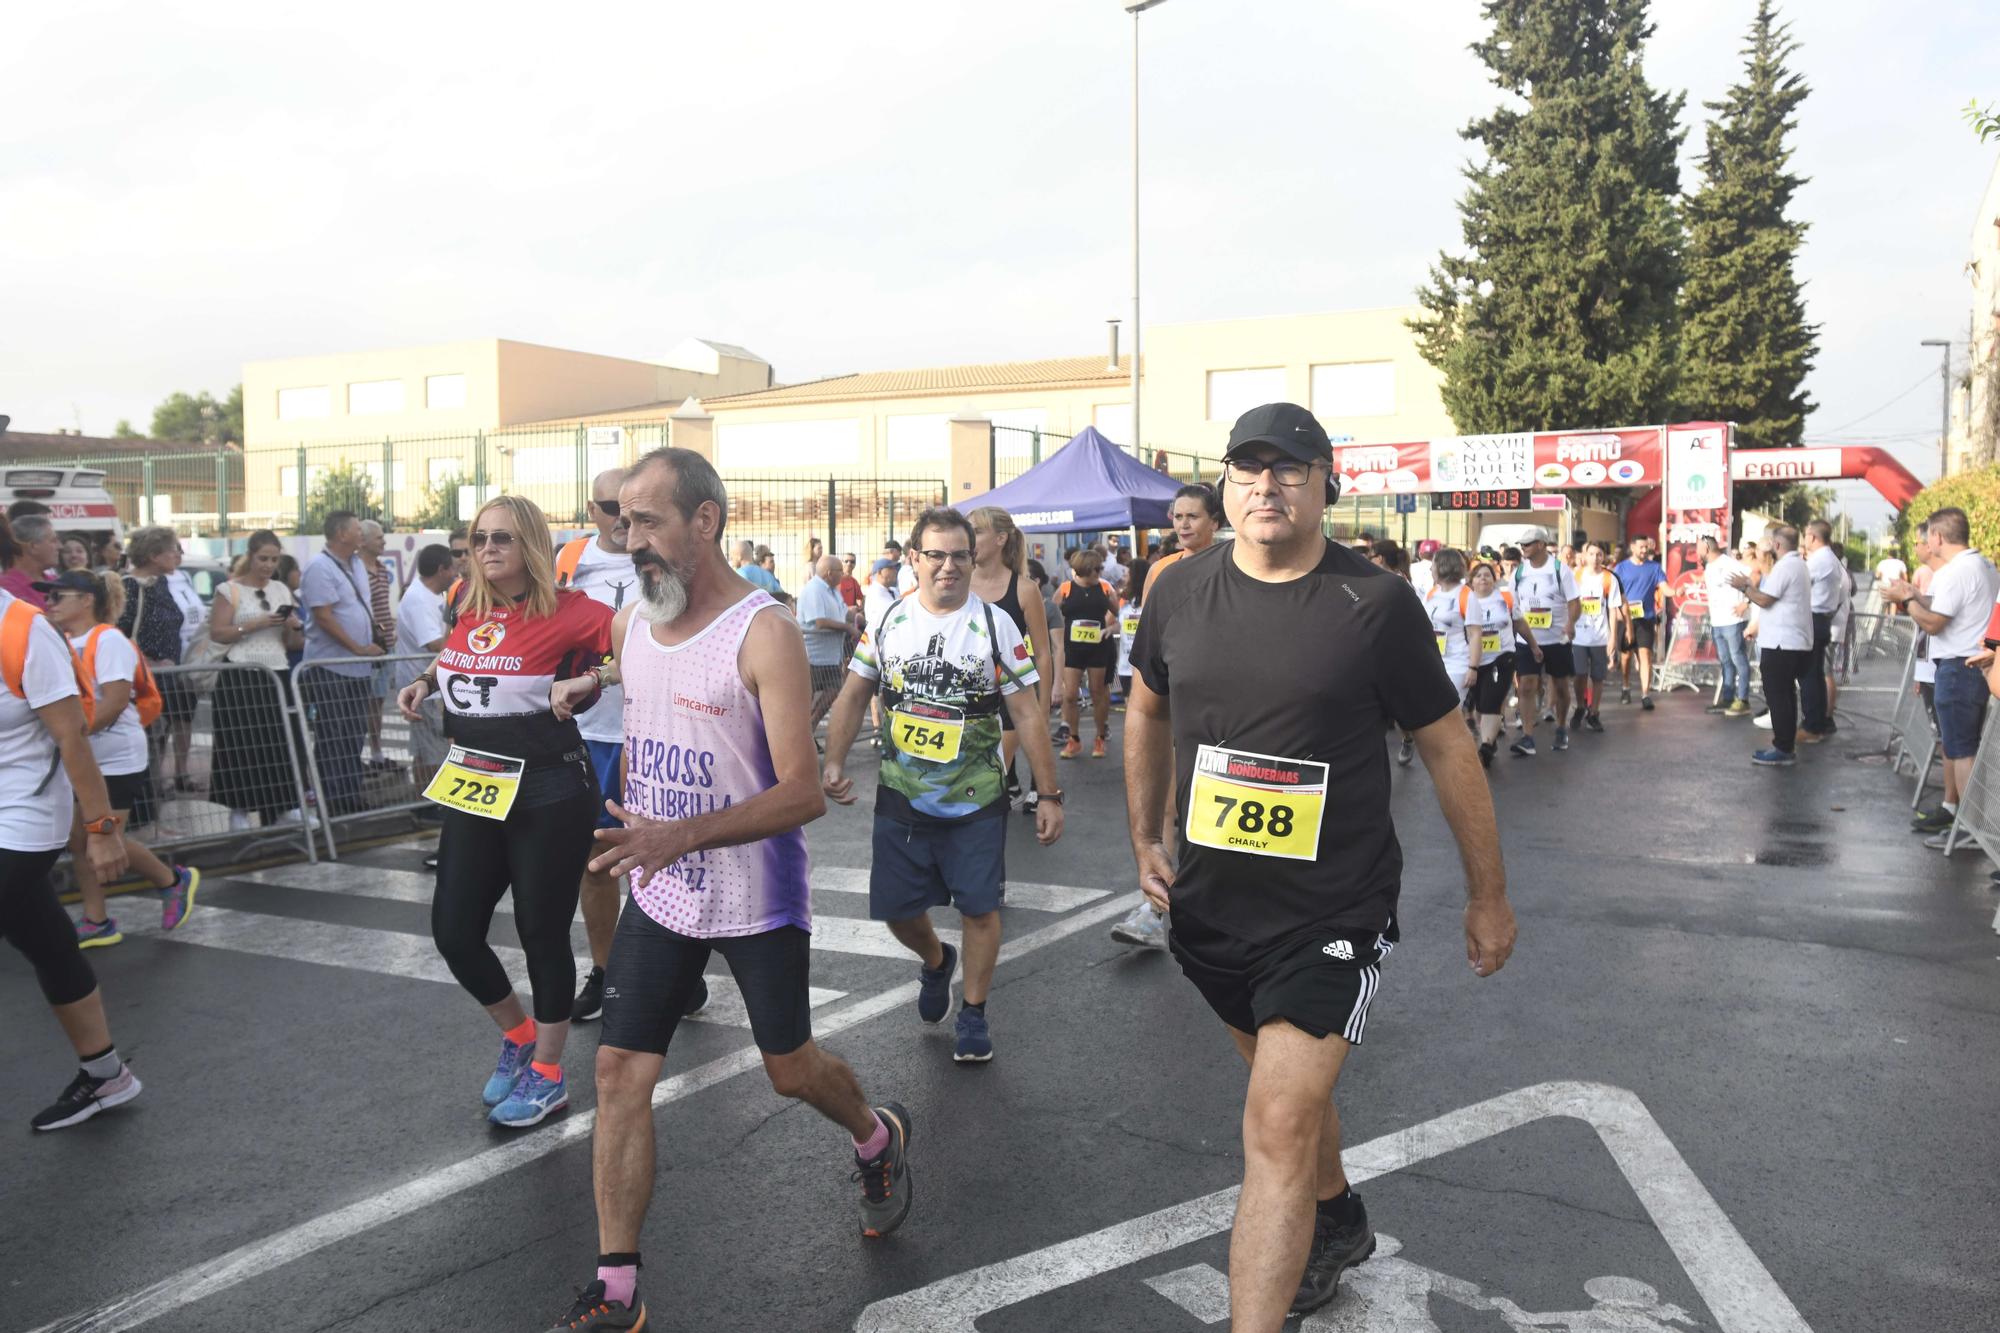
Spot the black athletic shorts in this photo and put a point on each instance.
(1640, 633)
(1320, 982)
(1556, 662)
(652, 973)
(128, 791)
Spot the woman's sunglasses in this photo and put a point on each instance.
(502, 539)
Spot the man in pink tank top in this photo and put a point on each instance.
(720, 776)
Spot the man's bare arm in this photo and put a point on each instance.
(1149, 778)
(1467, 803)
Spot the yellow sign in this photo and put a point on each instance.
(1541, 619)
(1256, 803)
(1593, 606)
(931, 732)
(1085, 631)
(473, 782)
(1489, 642)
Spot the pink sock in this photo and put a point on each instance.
(620, 1283)
(877, 1141)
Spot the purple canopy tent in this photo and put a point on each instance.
(1088, 485)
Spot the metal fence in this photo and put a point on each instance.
(1913, 737)
(362, 758)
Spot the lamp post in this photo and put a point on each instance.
(1944, 420)
(1136, 8)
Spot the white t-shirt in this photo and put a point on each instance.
(1547, 591)
(1824, 567)
(31, 822)
(194, 612)
(121, 747)
(1964, 589)
(419, 623)
(1448, 626)
(906, 578)
(1423, 577)
(608, 577)
(875, 602)
(1890, 569)
(1600, 601)
(1494, 614)
(1787, 623)
(1726, 606)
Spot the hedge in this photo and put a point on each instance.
(1976, 492)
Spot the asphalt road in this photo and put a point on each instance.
(1753, 1019)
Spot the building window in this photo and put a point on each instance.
(1358, 389)
(298, 404)
(767, 444)
(438, 470)
(444, 391)
(374, 398)
(1231, 393)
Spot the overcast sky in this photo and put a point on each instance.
(862, 186)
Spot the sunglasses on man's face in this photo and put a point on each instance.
(458, 553)
(610, 507)
(502, 539)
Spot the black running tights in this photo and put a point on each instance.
(540, 852)
(34, 922)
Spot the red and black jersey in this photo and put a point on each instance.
(495, 671)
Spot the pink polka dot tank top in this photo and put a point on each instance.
(694, 742)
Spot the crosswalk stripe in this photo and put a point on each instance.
(1034, 897)
(846, 934)
(393, 953)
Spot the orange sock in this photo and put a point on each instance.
(523, 1034)
(553, 1073)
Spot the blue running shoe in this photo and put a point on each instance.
(934, 988)
(513, 1063)
(975, 1043)
(533, 1100)
(1773, 758)
(100, 934)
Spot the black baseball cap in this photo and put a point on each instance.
(70, 580)
(1289, 428)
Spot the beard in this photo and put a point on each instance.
(663, 587)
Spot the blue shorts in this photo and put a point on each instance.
(1961, 697)
(604, 762)
(921, 866)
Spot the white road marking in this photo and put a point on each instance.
(1198, 1289)
(195, 1283)
(1034, 897)
(395, 954)
(846, 934)
(1739, 1291)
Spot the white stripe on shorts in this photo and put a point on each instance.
(1370, 978)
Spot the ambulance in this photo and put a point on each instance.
(75, 496)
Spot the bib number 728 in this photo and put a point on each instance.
(475, 792)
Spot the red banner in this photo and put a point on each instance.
(1545, 461)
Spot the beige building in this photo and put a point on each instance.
(1974, 440)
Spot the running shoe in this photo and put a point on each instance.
(1097, 748)
(592, 1313)
(1773, 758)
(1762, 720)
(177, 899)
(1625, 694)
(431, 861)
(1523, 748)
(1336, 1247)
(533, 1100)
(1741, 708)
(1562, 739)
(1071, 748)
(1646, 702)
(934, 988)
(1486, 751)
(513, 1063)
(98, 934)
(1406, 751)
(1932, 821)
(697, 998)
(1718, 709)
(1031, 802)
(590, 1000)
(86, 1096)
(1577, 715)
(1142, 926)
(885, 1180)
(975, 1043)
(1811, 737)
(1937, 842)
(1593, 721)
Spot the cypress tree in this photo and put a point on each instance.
(1745, 342)
(1562, 312)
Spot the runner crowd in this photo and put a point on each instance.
(630, 726)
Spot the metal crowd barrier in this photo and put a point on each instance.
(1978, 819)
(1687, 660)
(362, 758)
(1913, 735)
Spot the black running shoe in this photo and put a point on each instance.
(1486, 753)
(593, 1312)
(1593, 721)
(1576, 717)
(885, 1181)
(1646, 702)
(86, 1096)
(590, 1000)
(1336, 1247)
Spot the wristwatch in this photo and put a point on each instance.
(102, 827)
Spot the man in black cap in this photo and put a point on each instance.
(1267, 671)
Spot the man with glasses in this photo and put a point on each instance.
(461, 550)
(1264, 676)
(945, 665)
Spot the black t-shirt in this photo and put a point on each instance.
(1292, 675)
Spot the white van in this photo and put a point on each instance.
(75, 496)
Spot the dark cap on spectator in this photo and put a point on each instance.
(1289, 428)
(70, 580)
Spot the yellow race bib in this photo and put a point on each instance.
(1636, 610)
(473, 782)
(1540, 619)
(1085, 631)
(927, 731)
(1593, 606)
(1489, 642)
(1128, 625)
(1256, 803)
(1441, 642)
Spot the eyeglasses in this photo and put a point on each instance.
(959, 557)
(610, 507)
(1285, 471)
(502, 539)
(458, 553)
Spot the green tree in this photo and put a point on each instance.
(178, 417)
(1976, 491)
(125, 430)
(1562, 312)
(1745, 344)
(1985, 121)
(346, 487)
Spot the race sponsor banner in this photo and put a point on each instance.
(1592, 458)
(1547, 461)
(1785, 465)
(1696, 501)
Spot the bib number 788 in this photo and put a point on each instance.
(1253, 816)
(1256, 804)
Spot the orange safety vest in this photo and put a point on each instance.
(146, 698)
(14, 629)
(568, 559)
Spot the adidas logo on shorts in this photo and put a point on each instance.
(1340, 949)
